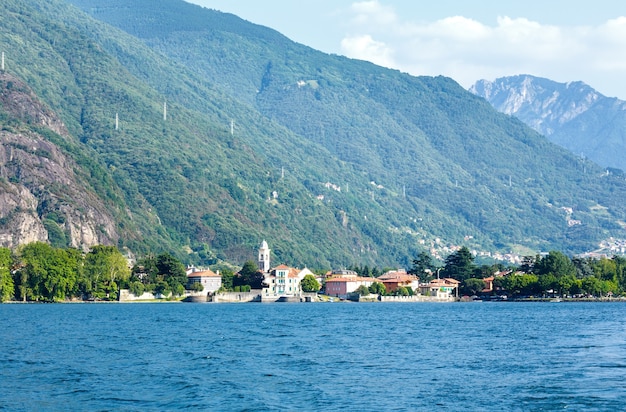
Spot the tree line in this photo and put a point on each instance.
(551, 274)
(41, 272)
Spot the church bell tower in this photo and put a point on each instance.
(264, 257)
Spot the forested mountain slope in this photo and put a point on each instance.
(333, 161)
(572, 115)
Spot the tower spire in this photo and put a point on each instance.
(264, 257)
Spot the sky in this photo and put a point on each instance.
(467, 40)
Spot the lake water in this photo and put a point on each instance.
(314, 356)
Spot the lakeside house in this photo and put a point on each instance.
(341, 283)
(209, 280)
(441, 288)
(395, 279)
(283, 282)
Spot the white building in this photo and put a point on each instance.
(209, 280)
(264, 257)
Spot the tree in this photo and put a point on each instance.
(524, 284)
(309, 284)
(179, 290)
(472, 286)
(423, 266)
(583, 267)
(460, 265)
(227, 279)
(171, 270)
(47, 273)
(556, 263)
(106, 268)
(146, 270)
(162, 288)
(568, 284)
(136, 288)
(548, 283)
(378, 288)
(249, 275)
(7, 287)
(362, 290)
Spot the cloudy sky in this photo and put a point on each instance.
(564, 40)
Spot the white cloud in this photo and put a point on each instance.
(468, 50)
(366, 48)
(372, 12)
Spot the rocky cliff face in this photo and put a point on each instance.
(572, 115)
(41, 196)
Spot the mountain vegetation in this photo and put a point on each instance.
(572, 115)
(202, 134)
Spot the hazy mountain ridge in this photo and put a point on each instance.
(333, 161)
(573, 115)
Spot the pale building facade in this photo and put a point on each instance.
(264, 258)
(209, 280)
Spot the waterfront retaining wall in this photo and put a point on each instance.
(416, 298)
(233, 297)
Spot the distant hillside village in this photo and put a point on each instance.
(286, 284)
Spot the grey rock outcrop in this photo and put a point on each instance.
(41, 196)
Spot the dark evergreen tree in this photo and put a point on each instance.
(460, 265)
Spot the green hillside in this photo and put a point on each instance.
(333, 161)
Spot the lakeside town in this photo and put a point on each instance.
(288, 284)
(39, 272)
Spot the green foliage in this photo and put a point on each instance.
(105, 269)
(172, 271)
(403, 291)
(309, 284)
(227, 278)
(137, 288)
(7, 287)
(56, 235)
(378, 288)
(47, 273)
(423, 267)
(162, 288)
(460, 265)
(249, 275)
(555, 263)
(178, 290)
(196, 287)
(472, 286)
(362, 290)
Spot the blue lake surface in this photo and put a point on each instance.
(314, 356)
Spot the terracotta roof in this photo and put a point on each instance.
(397, 277)
(353, 279)
(444, 282)
(292, 272)
(203, 274)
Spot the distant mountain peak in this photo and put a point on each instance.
(571, 114)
